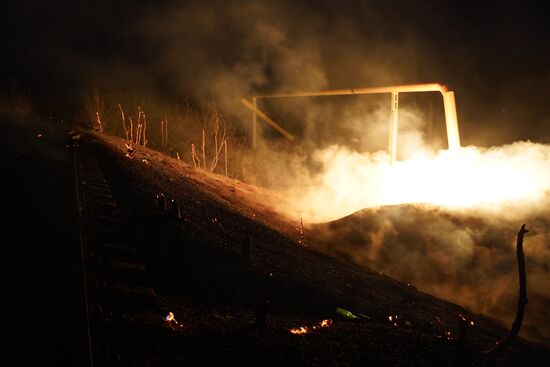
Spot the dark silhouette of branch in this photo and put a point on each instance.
(522, 301)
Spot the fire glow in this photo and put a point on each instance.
(500, 177)
(170, 319)
(306, 329)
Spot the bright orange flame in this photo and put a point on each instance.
(299, 330)
(172, 322)
(306, 329)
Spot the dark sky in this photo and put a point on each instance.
(494, 54)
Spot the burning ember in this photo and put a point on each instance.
(306, 329)
(444, 330)
(299, 330)
(170, 319)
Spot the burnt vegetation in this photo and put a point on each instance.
(238, 280)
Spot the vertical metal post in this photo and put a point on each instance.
(394, 120)
(254, 122)
(451, 120)
(430, 120)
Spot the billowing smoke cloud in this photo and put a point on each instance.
(463, 256)
(443, 221)
(513, 178)
(223, 51)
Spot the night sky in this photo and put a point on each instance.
(494, 54)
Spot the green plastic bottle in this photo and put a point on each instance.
(345, 314)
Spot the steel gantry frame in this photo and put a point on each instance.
(449, 104)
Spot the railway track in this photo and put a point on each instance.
(115, 283)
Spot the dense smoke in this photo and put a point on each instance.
(463, 256)
(508, 179)
(460, 247)
(443, 221)
(222, 51)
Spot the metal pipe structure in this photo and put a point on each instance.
(394, 124)
(451, 119)
(257, 112)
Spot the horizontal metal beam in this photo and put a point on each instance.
(430, 87)
(451, 119)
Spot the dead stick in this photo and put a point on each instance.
(165, 132)
(217, 156)
(123, 121)
(131, 128)
(203, 146)
(98, 119)
(225, 155)
(216, 128)
(522, 301)
(139, 116)
(196, 160)
(138, 128)
(161, 134)
(218, 151)
(144, 130)
(138, 133)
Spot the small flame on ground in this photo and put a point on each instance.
(299, 330)
(393, 319)
(171, 320)
(306, 329)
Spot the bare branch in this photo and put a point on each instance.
(131, 128)
(522, 301)
(165, 132)
(99, 123)
(203, 146)
(144, 130)
(123, 121)
(196, 160)
(225, 155)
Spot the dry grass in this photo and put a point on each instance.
(199, 134)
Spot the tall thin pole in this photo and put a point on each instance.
(394, 121)
(451, 120)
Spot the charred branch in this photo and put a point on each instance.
(502, 345)
(123, 119)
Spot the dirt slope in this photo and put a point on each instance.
(196, 266)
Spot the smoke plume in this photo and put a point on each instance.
(454, 217)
